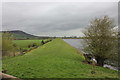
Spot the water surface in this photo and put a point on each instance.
(76, 43)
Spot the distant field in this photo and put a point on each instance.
(55, 59)
(25, 43)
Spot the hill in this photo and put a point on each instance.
(17, 34)
(55, 59)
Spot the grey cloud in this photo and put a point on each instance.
(50, 17)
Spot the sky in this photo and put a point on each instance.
(54, 18)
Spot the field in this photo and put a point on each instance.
(25, 43)
(55, 59)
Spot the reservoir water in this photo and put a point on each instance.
(76, 43)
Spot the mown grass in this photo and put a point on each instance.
(55, 59)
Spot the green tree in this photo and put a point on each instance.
(99, 39)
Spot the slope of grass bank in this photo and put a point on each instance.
(55, 59)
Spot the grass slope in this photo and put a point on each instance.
(55, 59)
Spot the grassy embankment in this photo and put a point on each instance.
(55, 59)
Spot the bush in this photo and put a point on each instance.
(7, 46)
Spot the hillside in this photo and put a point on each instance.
(55, 59)
(17, 34)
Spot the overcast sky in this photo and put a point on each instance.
(54, 18)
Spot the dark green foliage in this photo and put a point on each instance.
(34, 45)
(42, 42)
